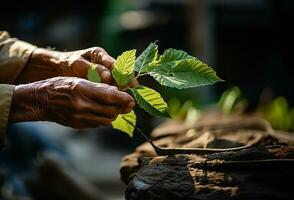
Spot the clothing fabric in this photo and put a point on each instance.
(14, 55)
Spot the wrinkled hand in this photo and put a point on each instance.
(69, 101)
(44, 64)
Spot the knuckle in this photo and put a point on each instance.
(97, 50)
(100, 55)
(100, 49)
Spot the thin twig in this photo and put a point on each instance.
(142, 133)
(173, 151)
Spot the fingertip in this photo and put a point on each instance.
(106, 77)
(131, 105)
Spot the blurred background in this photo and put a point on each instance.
(247, 42)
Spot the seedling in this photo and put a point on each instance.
(174, 68)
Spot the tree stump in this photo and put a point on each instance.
(263, 171)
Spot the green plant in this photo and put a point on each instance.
(232, 101)
(174, 68)
(279, 114)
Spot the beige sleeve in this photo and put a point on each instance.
(14, 55)
(6, 94)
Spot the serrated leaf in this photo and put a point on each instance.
(93, 74)
(171, 55)
(147, 56)
(121, 124)
(124, 67)
(150, 100)
(195, 73)
(168, 60)
(187, 73)
(168, 80)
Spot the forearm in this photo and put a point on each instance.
(43, 64)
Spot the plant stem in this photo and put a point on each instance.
(142, 133)
(137, 76)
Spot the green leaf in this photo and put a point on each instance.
(169, 59)
(230, 99)
(187, 73)
(195, 73)
(150, 100)
(124, 67)
(171, 55)
(147, 56)
(93, 74)
(121, 124)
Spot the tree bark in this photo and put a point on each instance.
(264, 171)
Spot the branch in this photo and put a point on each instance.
(172, 151)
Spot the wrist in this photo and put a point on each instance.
(25, 105)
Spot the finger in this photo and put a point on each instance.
(87, 53)
(95, 56)
(110, 95)
(104, 73)
(92, 57)
(106, 60)
(99, 49)
(109, 111)
(129, 108)
(99, 56)
(119, 98)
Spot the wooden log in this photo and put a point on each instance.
(264, 171)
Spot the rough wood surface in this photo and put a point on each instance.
(264, 171)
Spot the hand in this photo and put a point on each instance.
(44, 64)
(69, 101)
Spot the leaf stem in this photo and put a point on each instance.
(142, 133)
(140, 74)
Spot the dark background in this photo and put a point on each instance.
(249, 43)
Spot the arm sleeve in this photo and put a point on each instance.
(6, 94)
(14, 55)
